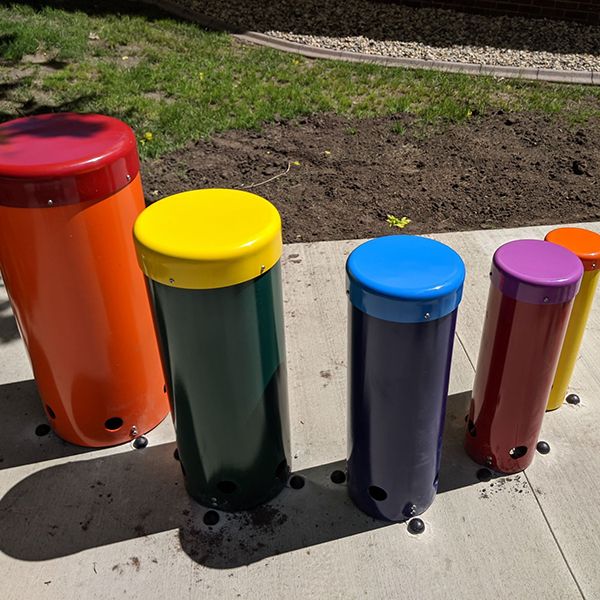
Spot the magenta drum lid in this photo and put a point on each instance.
(537, 272)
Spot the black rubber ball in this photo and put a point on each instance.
(43, 429)
(211, 518)
(140, 442)
(484, 474)
(416, 526)
(338, 477)
(543, 447)
(573, 399)
(296, 482)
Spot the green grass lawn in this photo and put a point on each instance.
(174, 82)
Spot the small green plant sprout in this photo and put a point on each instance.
(399, 128)
(393, 221)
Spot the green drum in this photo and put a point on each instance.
(213, 262)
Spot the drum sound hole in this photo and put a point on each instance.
(377, 493)
(113, 424)
(226, 487)
(518, 452)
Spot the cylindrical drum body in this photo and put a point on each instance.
(586, 245)
(533, 284)
(404, 293)
(70, 191)
(213, 262)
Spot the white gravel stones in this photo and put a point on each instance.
(486, 55)
(388, 29)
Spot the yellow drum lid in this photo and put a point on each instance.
(206, 239)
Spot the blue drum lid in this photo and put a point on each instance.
(405, 279)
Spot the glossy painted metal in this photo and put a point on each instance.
(398, 370)
(218, 310)
(582, 242)
(586, 245)
(224, 354)
(530, 300)
(206, 239)
(398, 385)
(64, 158)
(83, 310)
(573, 338)
(405, 279)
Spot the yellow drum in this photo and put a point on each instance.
(586, 245)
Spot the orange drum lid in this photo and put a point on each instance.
(582, 242)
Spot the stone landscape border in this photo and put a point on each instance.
(552, 75)
(252, 37)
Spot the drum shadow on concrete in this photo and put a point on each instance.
(85, 504)
(457, 470)
(88, 503)
(22, 441)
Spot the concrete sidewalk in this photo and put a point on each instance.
(115, 523)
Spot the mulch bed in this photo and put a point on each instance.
(493, 171)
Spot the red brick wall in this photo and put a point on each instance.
(585, 11)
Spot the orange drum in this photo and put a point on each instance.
(70, 191)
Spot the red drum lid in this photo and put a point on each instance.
(64, 158)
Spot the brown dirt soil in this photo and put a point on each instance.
(495, 171)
